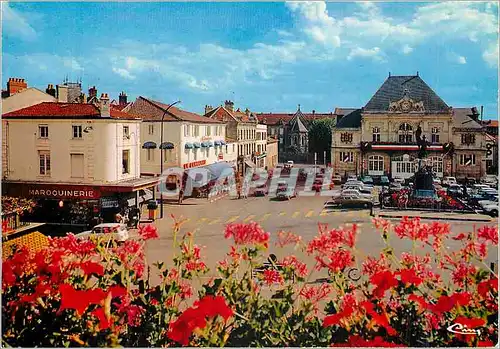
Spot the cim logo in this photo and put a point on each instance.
(463, 329)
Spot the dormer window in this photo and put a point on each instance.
(468, 138)
(376, 134)
(405, 133)
(346, 137)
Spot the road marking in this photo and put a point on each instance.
(214, 221)
(296, 214)
(266, 216)
(310, 213)
(282, 213)
(232, 219)
(201, 220)
(323, 213)
(252, 216)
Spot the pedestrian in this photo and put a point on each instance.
(118, 218)
(181, 195)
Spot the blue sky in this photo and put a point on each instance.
(268, 57)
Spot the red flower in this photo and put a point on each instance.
(212, 306)
(315, 294)
(334, 319)
(489, 234)
(181, 329)
(470, 323)
(372, 265)
(358, 341)
(486, 286)
(418, 299)
(335, 260)
(90, 268)
(299, 267)
(460, 236)
(447, 303)
(378, 319)
(117, 291)
(287, 238)
(383, 281)
(148, 231)
(79, 299)
(104, 321)
(408, 276)
(463, 273)
(272, 276)
(247, 234)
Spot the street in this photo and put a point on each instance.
(299, 215)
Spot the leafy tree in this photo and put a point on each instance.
(320, 137)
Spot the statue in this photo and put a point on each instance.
(422, 143)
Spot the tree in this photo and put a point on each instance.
(320, 136)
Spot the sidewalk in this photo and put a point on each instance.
(449, 216)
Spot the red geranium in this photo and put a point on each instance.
(247, 234)
(148, 231)
(383, 281)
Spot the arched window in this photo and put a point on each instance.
(405, 133)
(376, 134)
(375, 165)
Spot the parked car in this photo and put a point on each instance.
(367, 180)
(384, 181)
(398, 180)
(289, 164)
(352, 177)
(261, 190)
(395, 186)
(351, 200)
(336, 179)
(490, 180)
(285, 193)
(490, 207)
(117, 230)
(357, 192)
(455, 190)
(449, 181)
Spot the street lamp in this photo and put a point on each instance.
(161, 152)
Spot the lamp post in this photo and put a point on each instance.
(161, 152)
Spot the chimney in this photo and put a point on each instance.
(62, 93)
(122, 99)
(92, 92)
(247, 112)
(208, 108)
(229, 105)
(104, 106)
(83, 98)
(14, 85)
(51, 90)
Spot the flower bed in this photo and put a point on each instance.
(97, 293)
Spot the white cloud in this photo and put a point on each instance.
(407, 49)
(123, 73)
(374, 53)
(490, 55)
(462, 60)
(71, 63)
(455, 58)
(15, 24)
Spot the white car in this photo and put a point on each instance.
(117, 230)
(352, 178)
(449, 181)
(490, 207)
(490, 180)
(356, 192)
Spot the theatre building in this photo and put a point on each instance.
(79, 161)
(381, 137)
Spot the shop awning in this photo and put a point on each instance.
(217, 143)
(214, 170)
(167, 145)
(205, 144)
(197, 145)
(189, 146)
(222, 143)
(149, 145)
(249, 163)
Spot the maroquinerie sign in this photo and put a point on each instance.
(195, 164)
(63, 192)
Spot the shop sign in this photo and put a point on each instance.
(206, 138)
(61, 192)
(109, 203)
(221, 156)
(195, 164)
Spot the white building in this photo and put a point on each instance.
(189, 140)
(73, 152)
(261, 146)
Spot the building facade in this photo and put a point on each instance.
(381, 138)
(74, 156)
(189, 140)
(261, 146)
(292, 131)
(240, 126)
(272, 153)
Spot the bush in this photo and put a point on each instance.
(97, 292)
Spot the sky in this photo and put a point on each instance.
(268, 57)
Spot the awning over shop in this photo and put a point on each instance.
(197, 145)
(217, 143)
(189, 146)
(207, 144)
(249, 163)
(214, 170)
(167, 145)
(149, 145)
(222, 143)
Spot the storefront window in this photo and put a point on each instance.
(376, 163)
(126, 161)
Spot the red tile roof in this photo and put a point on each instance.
(173, 114)
(490, 123)
(55, 110)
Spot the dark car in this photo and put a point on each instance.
(285, 193)
(367, 180)
(261, 190)
(350, 201)
(384, 181)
